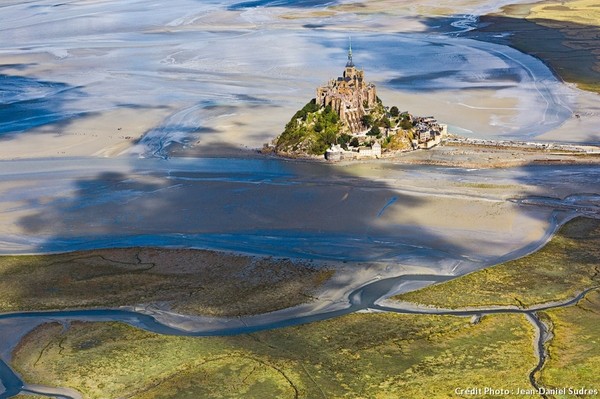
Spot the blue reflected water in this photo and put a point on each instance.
(27, 103)
(282, 3)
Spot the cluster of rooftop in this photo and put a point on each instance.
(427, 133)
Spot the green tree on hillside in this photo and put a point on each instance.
(312, 129)
(374, 131)
(406, 124)
(343, 140)
(367, 120)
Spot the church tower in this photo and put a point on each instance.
(349, 95)
(350, 63)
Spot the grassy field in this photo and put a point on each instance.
(567, 265)
(564, 34)
(575, 350)
(355, 356)
(189, 281)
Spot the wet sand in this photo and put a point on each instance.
(466, 155)
(371, 211)
(549, 30)
(204, 75)
(105, 134)
(180, 79)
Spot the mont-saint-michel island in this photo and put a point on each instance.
(346, 120)
(423, 224)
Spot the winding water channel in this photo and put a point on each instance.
(363, 298)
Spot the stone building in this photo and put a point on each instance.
(337, 153)
(349, 95)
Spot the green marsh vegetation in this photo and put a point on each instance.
(189, 281)
(574, 351)
(374, 355)
(370, 355)
(566, 266)
(563, 268)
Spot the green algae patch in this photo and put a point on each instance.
(185, 280)
(564, 267)
(574, 351)
(375, 355)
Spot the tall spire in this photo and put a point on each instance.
(350, 63)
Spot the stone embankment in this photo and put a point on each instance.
(525, 145)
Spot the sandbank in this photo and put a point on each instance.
(140, 201)
(105, 134)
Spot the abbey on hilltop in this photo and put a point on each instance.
(346, 120)
(350, 96)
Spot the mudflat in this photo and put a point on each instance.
(467, 155)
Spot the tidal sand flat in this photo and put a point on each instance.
(564, 36)
(549, 30)
(349, 212)
(80, 81)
